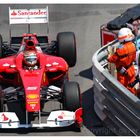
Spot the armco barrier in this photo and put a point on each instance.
(116, 106)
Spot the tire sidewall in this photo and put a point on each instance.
(1, 100)
(71, 96)
(66, 47)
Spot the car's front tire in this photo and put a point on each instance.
(71, 96)
(71, 100)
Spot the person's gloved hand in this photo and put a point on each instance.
(134, 83)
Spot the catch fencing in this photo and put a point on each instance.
(115, 105)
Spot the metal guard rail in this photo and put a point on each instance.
(116, 106)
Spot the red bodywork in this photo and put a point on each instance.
(13, 72)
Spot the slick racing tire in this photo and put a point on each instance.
(1, 100)
(71, 96)
(1, 41)
(66, 47)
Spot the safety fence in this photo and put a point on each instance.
(116, 106)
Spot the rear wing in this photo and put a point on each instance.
(28, 16)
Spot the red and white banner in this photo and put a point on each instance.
(25, 16)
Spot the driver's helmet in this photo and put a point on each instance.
(30, 58)
(125, 35)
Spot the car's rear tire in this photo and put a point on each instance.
(66, 47)
(1, 42)
(1, 100)
(71, 96)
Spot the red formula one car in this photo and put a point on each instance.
(34, 72)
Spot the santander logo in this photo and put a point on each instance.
(62, 115)
(4, 117)
(35, 12)
(13, 13)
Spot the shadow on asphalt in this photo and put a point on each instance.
(91, 120)
(87, 73)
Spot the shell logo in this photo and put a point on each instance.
(32, 96)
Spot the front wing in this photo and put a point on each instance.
(61, 118)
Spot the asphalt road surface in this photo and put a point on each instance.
(85, 21)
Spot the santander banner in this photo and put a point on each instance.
(25, 16)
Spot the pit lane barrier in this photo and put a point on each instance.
(114, 104)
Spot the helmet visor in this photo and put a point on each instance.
(31, 59)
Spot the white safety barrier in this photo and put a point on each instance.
(116, 106)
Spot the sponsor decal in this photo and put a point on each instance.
(13, 13)
(62, 115)
(6, 64)
(44, 77)
(32, 102)
(32, 106)
(55, 63)
(37, 12)
(27, 13)
(13, 66)
(31, 88)
(26, 16)
(4, 118)
(32, 96)
(48, 65)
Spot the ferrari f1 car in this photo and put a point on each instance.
(34, 72)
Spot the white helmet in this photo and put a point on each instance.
(125, 35)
